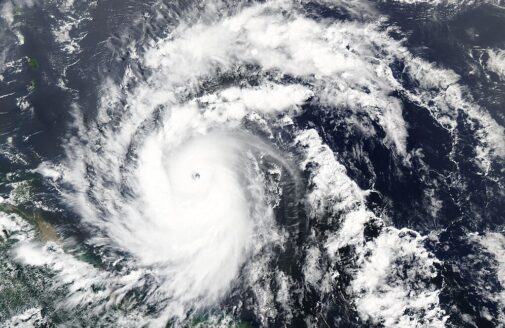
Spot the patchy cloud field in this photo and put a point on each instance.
(252, 164)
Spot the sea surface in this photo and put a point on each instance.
(276, 163)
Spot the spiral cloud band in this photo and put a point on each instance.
(205, 189)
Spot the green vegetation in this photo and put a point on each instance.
(91, 258)
(18, 12)
(33, 63)
(22, 192)
(45, 230)
(32, 85)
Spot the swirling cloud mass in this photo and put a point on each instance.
(210, 194)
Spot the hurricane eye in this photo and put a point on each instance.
(248, 163)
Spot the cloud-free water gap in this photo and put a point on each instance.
(210, 202)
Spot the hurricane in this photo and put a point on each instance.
(252, 164)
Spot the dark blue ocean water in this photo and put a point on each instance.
(449, 37)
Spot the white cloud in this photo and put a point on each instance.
(176, 184)
(385, 295)
(382, 294)
(496, 62)
(494, 243)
